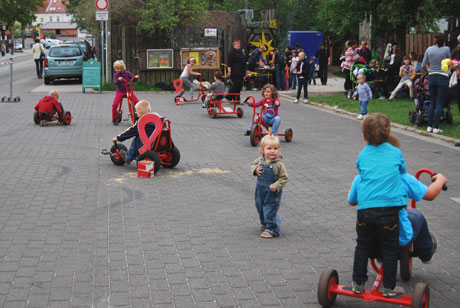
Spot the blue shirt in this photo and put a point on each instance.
(381, 168)
(415, 190)
(364, 92)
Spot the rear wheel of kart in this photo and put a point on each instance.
(117, 159)
(36, 117)
(418, 120)
(412, 116)
(329, 278)
(172, 159)
(449, 119)
(421, 296)
(212, 113)
(254, 136)
(405, 265)
(153, 157)
(67, 118)
(288, 135)
(239, 112)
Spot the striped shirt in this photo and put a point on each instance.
(350, 57)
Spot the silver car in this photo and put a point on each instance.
(63, 61)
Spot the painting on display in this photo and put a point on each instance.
(160, 58)
(206, 58)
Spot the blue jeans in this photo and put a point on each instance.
(292, 80)
(274, 122)
(267, 201)
(423, 244)
(279, 73)
(302, 83)
(363, 106)
(132, 151)
(377, 225)
(438, 85)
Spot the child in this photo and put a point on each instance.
(121, 74)
(303, 71)
(217, 87)
(381, 195)
(293, 69)
(48, 106)
(188, 70)
(364, 93)
(407, 74)
(271, 178)
(270, 113)
(142, 107)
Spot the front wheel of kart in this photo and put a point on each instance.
(405, 264)
(239, 112)
(329, 278)
(172, 159)
(116, 158)
(36, 117)
(254, 136)
(67, 118)
(212, 113)
(421, 296)
(418, 120)
(449, 119)
(153, 157)
(412, 116)
(288, 135)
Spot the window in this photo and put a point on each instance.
(51, 18)
(58, 18)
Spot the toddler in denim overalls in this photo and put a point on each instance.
(271, 178)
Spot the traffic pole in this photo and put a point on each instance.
(10, 98)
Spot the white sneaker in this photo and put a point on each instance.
(429, 129)
(360, 117)
(305, 100)
(437, 130)
(296, 101)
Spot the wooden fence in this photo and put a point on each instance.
(419, 42)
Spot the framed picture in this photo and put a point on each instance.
(160, 59)
(206, 58)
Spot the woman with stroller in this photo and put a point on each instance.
(438, 81)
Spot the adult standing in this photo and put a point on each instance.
(236, 67)
(37, 51)
(323, 58)
(350, 58)
(280, 69)
(395, 62)
(365, 52)
(438, 81)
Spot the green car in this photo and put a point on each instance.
(63, 61)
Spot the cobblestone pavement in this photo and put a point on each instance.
(78, 231)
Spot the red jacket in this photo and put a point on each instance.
(47, 104)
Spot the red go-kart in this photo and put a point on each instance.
(131, 104)
(257, 124)
(329, 287)
(225, 104)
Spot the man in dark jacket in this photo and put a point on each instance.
(323, 58)
(365, 52)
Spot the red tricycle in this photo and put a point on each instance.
(179, 99)
(256, 132)
(329, 287)
(158, 148)
(131, 103)
(218, 101)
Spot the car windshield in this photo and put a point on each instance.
(65, 51)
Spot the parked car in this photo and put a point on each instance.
(17, 45)
(85, 46)
(64, 61)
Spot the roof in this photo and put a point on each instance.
(58, 25)
(52, 6)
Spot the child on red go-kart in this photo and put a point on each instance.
(142, 107)
(121, 74)
(381, 195)
(217, 87)
(270, 111)
(48, 106)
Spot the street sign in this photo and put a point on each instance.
(102, 15)
(102, 5)
(210, 32)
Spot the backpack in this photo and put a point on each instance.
(281, 59)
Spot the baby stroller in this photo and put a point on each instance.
(361, 68)
(419, 116)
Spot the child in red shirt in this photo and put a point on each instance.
(48, 106)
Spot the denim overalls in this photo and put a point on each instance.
(268, 202)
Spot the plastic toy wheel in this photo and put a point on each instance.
(288, 135)
(212, 113)
(449, 119)
(239, 112)
(412, 116)
(173, 158)
(153, 157)
(254, 137)
(421, 296)
(36, 118)
(67, 118)
(405, 264)
(418, 120)
(116, 159)
(329, 278)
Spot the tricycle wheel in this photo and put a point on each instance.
(153, 157)
(449, 119)
(119, 116)
(288, 135)
(36, 117)
(172, 159)
(116, 157)
(329, 278)
(421, 296)
(412, 116)
(254, 137)
(405, 264)
(239, 112)
(212, 113)
(67, 118)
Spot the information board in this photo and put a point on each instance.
(206, 58)
(91, 75)
(160, 58)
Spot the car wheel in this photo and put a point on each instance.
(47, 80)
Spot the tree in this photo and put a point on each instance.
(19, 10)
